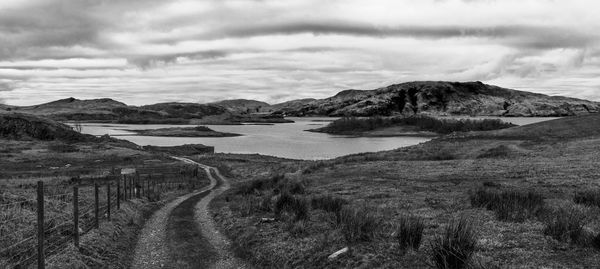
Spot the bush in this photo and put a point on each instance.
(589, 197)
(509, 205)
(566, 223)
(453, 250)
(359, 224)
(291, 204)
(410, 232)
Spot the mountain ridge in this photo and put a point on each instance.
(438, 98)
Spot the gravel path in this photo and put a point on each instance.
(152, 248)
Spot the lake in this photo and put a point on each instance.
(287, 140)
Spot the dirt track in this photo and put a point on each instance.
(183, 235)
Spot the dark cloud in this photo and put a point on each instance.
(148, 61)
(527, 36)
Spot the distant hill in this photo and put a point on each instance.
(242, 106)
(108, 110)
(442, 98)
(289, 106)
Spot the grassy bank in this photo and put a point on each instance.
(483, 201)
(409, 125)
(198, 131)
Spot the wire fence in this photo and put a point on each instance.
(32, 229)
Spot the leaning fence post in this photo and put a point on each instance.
(40, 224)
(76, 216)
(118, 193)
(96, 206)
(108, 200)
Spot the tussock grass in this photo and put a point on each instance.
(329, 203)
(409, 232)
(455, 247)
(509, 205)
(257, 185)
(588, 197)
(297, 206)
(566, 223)
(359, 224)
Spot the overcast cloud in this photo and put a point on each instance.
(147, 51)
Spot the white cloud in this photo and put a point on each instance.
(145, 51)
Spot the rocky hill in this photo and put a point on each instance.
(19, 126)
(443, 98)
(242, 106)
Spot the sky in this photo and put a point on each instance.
(149, 51)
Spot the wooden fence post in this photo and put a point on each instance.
(130, 187)
(40, 224)
(76, 216)
(96, 206)
(118, 193)
(108, 200)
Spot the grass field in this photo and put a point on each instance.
(61, 166)
(509, 198)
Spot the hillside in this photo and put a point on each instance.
(242, 106)
(288, 106)
(108, 110)
(444, 98)
(564, 128)
(16, 126)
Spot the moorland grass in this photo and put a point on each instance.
(509, 205)
(410, 232)
(566, 223)
(288, 203)
(588, 197)
(359, 224)
(455, 247)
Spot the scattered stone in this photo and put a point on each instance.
(338, 253)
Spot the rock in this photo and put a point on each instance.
(338, 253)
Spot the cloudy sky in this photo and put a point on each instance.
(148, 51)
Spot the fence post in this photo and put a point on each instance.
(118, 193)
(130, 187)
(108, 200)
(76, 216)
(40, 224)
(96, 206)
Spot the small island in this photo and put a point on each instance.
(417, 125)
(198, 131)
